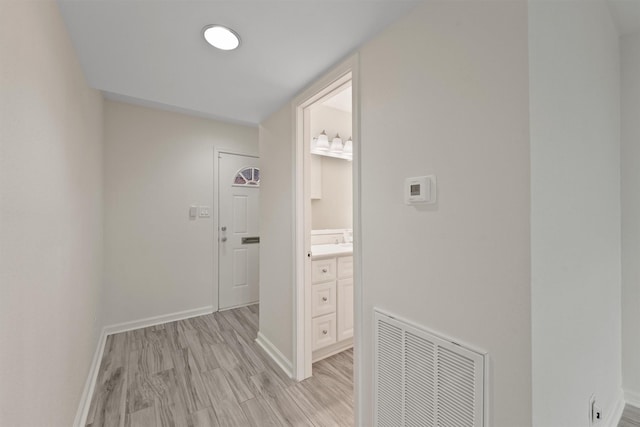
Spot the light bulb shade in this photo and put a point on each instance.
(348, 146)
(336, 144)
(322, 143)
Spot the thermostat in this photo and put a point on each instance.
(420, 190)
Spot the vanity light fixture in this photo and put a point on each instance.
(221, 37)
(336, 144)
(322, 143)
(348, 146)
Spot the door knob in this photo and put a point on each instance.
(224, 239)
(324, 332)
(223, 228)
(324, 270)
(324, 298)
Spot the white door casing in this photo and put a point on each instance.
(238, 213)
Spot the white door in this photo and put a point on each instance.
(238, 237)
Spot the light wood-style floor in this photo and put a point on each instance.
(630, 417)
(208, 371)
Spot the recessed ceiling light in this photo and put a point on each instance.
(221, 37)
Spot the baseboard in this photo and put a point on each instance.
(632, 398)
(613, 417)
(275, 354)
(329, 351)
(158, 320)
(90, 383)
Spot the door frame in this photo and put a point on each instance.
(347, 70)
(215, 213)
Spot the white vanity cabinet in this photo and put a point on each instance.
(331, 305)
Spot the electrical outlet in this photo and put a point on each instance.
(595, 412)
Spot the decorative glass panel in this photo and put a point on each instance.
(247, 177)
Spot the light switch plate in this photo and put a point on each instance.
(204, 212)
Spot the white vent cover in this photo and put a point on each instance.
(424, 380)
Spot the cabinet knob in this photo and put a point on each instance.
(324, 298)
(324, 270)
(324, 332)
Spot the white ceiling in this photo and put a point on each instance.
(627, 15)
(152, 52)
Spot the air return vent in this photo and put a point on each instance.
(422, 379)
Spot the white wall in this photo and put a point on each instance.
(335, 209)
(157, 164)
(50, 218)
(455, 105)
(276, 231)
(631, 217)
(575, 210)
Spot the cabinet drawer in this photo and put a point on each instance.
(324, 331)
(323, 299)
(345, 267)
(323, 270)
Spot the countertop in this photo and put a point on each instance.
(319, 251)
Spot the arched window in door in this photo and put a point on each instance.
(247, 177)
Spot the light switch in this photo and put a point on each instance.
(193, 212)
(204, 212)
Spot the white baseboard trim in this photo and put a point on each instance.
(92, 377)
(275, 354)
(613, 417)
(90, 383)
(632, 398)
(157, 320)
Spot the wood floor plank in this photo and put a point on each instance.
(224, 356)
(260, 414)
(243, 351)
(319, 415)
(630, 417)
(169, 403)
(204, 418)
(201, 351)
(288, 410)
(208, 371)
(140, 394)
(326, 397)
(239, 381)
(230, 414)
(218, 387)
(190, 381)
(143, 418)
(267, 383)
(106, 407)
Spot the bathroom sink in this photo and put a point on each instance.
(332, 249)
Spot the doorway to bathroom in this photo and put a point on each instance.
(327, 279)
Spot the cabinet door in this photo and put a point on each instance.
(345, 267)
(345, 309)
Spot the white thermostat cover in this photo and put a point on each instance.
(420, 190)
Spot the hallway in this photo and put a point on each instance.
(208, 371)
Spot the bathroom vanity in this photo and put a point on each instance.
(331, 299)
